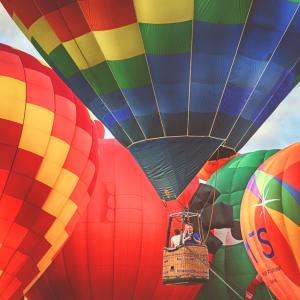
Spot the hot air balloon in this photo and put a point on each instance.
(115, 251)
(270, 219)
(174, 81)
(231, 269)
(48, 158)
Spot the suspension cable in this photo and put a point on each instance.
(214, 198)
(227, 284)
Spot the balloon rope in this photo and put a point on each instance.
(269, 292)
(221, 279)
(214, 198)
(200, 229)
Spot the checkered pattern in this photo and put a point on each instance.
(48, 159)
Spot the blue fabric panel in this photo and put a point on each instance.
(205, 94)
(267, 21)
(213, 50)
(144, 107)
(283, 60)
(233, 100)
(82, 89)
(170, 76)
(141, 100)
(171, 163)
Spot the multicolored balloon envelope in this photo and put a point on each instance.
(270, 222)
(115, 251)
(48, 158)
(231, 269)
(173, 80)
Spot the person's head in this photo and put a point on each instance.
(189, 228)
(176, 231)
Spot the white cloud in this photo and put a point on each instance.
(282, 128)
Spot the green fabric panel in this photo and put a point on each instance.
(101, 79)
(290, 206)
(63, 61)
(233, 265)
(130, 73)
(222, 11)
(233, 178)
(270, 188)
(163, 39)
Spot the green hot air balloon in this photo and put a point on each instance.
(232, 271)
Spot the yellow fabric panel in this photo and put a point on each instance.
(12, 100)
(57, 151)
(120, 43)
(54, 231)
(66, 182)
(68, 212)
(34, 140)
(37, 128)
(44, 35)
(162, 12)
(85, 51)
(54, 203)
(48, 173)
(289, 230)
(39, 117)
(60, 241)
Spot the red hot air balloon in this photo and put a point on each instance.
(48, 159)
(115, 251)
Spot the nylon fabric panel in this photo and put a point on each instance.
(34, 173)
(118, 241)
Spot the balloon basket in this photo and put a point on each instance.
(186, 265)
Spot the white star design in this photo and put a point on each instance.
(264, 201)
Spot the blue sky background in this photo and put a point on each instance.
(279, 131)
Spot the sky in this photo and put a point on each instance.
(279, 131)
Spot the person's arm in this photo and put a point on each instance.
(187, 238)
(172, 243)
(196, 238)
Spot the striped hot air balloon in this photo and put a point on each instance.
(270, 222)
(48, 159)
(173, 80)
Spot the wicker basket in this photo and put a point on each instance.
(185, 265)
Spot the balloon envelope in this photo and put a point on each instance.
(172, 80)
(231, 264)
(48, 158)
(116, 249)
(270, 222)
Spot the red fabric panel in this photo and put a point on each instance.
(108, 14)
(72, 16)
(39, 90)
(26, 163)
(10, 133)
(38, 193)
(39, 221)
(9, 207)
(11, 65)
